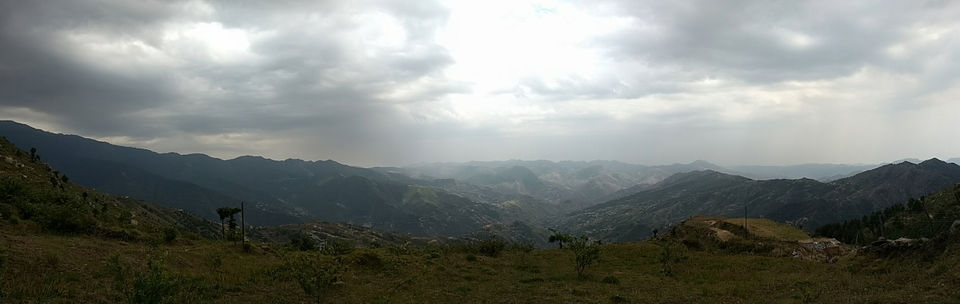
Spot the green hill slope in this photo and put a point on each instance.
(931, 217)
(278, 192)
(35, 197)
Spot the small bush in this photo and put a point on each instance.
(52, 260)
(522, 247)
(65, 219)
(170, 234)
(154, 286)
(303, 242)
(806, 294)
(491, 247)
(618, 299)
(671, 253)
(471, 257)
(8, 212)
(368, 259)
(337, 247)
(585, 253)
(610, 280)
(693, 245)
(315, 277)
(215, 262)
(118, 271)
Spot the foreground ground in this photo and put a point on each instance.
(80, 269)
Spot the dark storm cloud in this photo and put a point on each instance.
(39, 72)
(391, 82)
(754, 42)
(308, 68)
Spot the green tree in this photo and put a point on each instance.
(585, 253)
(228, 212)
(223, 212)
(559, 237)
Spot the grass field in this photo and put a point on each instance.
(767, 228)
(80, 269)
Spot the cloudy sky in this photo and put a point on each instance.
(398, 82)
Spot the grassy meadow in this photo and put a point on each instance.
(84, 269)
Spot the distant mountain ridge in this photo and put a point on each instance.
(821, 172)
(570, 184)
(799, 200)
(452, 199)
(279, 192)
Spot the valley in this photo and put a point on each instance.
(320, 231)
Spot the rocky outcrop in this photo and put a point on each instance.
(884, 246)
(820, 249)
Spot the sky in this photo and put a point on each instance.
(375, 83)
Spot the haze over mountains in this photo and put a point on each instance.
(515, 199)
(802, 201)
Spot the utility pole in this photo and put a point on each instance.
(243, 226)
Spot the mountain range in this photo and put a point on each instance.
(805, 202)
(278, 192)
(513, 199)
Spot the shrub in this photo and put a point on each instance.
(10, 188)
(337, 247)
(806, 295)
(585, 252)
(66, 220)
(490, 247)
(215, 262)
(9, 213)
(560, 238)
(170, 234)
(368, 259)
(670, 253)
(118, 270)
(303, 242)
(315, 277)
(693, 244)
(154, 286)
(471, 257)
